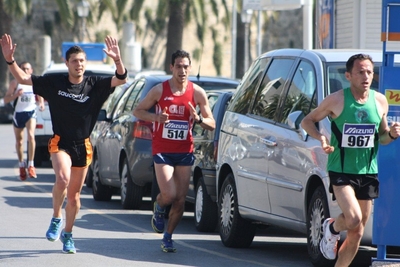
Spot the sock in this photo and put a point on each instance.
(332, 229)
(167, 235)
(30, 163)
(159, 208)
(22, 163)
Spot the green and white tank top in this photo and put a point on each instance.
(355, 137)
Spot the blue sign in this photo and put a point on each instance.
(94, 51)
(386, 207)
(325, 24)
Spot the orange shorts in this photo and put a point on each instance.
(81, 151)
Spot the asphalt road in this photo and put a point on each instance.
(107, 235)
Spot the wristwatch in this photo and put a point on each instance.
(200, 121)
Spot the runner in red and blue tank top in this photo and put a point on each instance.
(175, 101)
(176, 135)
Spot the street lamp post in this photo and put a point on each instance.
(83, 11)
(246, 19)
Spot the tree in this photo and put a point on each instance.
(175, 29)
(10, 9)
(180, 14)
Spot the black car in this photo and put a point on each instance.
(202, 187)
(122, 156)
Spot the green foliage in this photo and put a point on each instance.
(67, 15)
(101, 35)
(196, 55)
(17, 8)
(135, 10)
(217, 57)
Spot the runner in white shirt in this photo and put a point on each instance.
(24, 102)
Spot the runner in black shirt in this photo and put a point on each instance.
(74, 101)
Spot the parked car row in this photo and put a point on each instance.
(122, 157)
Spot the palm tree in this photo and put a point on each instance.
(10, 9)
(180, 14)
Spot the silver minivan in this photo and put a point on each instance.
(269, 170)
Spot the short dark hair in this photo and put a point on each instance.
(73, 50)
(350, 61)
(23, 63)
(181, 54)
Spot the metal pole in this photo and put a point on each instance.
(308, 24)
(259, 37)
(246, 46)
(234, 34)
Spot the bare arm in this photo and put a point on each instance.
(8, 49)
(141, 111)
(40, 102)
(11, 94)
(113, 52)
(201, 99)
(326, 108)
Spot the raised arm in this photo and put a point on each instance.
(8, 49)
(113, 52)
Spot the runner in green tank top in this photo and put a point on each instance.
(358, 125)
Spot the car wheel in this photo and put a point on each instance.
(131, 194)
(89, 176)
(205, 210)
(317, 212)
(100, 192)
(233, 229)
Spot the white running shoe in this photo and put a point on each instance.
(328, 243)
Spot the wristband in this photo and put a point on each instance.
(391, 137)
(123, 76)
(10, 63)
(200, 121)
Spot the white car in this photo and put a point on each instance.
(287, 185)
(44, 128)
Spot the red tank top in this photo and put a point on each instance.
(176, 135)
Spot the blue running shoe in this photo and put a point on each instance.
(53, 233)
(167, 245)
(68, 243)
(157, 221)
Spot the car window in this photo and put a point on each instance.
(109, 104)
(197, 129)
(270, 91)
(245, 92)
(214, 85)
(337, 79)
(132, 97)
(301, 91)
(120, 105)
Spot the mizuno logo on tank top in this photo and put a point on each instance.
(78, 98)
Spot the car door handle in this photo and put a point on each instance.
(268, 142)
(113, 136)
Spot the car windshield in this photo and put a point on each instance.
(337, 79)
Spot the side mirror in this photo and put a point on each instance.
(294, 119)
(102, 115)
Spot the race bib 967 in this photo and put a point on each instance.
(358, 135)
